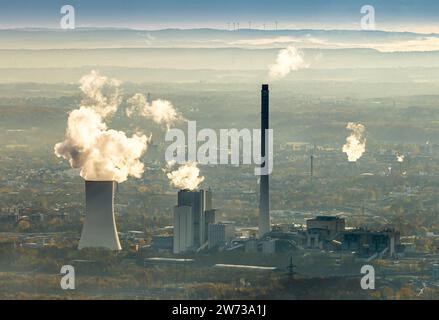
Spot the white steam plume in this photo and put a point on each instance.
(101, 153)
(400, 157)
(100, 93)
(159, 111)
(187, 176)
(356, 143)
(288, 59)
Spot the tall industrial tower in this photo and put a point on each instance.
(264, 196)
(99, 228)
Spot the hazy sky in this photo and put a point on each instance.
(411, 15)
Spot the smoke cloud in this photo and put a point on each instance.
(159, 111)
(355, 144)
(400, 157)
(187, 176)
(101, 153)
(288, 59)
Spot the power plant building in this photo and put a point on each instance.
(321, 228)
(183, 229)
(197, 204)
(99, 230)
(331, 225)
(210, 216)
(220, 233)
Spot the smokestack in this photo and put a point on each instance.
(99, 230)
(264, 204)
(312, 166)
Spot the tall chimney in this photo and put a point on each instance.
(99, 230)
(264, 198)
(312, 167)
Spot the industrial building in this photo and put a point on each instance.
(210, 216)
(183, 229)
(220, 234)
(192, 215)
(326, 233)
(199, 201)
(329, 233)
(99, 230)
(321, 228)
(368, 243)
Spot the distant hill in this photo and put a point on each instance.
(218, 56)
(111, 38)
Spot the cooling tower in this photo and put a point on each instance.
(264, 205)
(99, 230)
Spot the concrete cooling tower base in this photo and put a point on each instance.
(99, 230)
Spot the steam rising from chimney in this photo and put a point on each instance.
(102, 154)
(187, 176)
(159, 111)
(288, 59)
(400, 157)
(356, 143)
